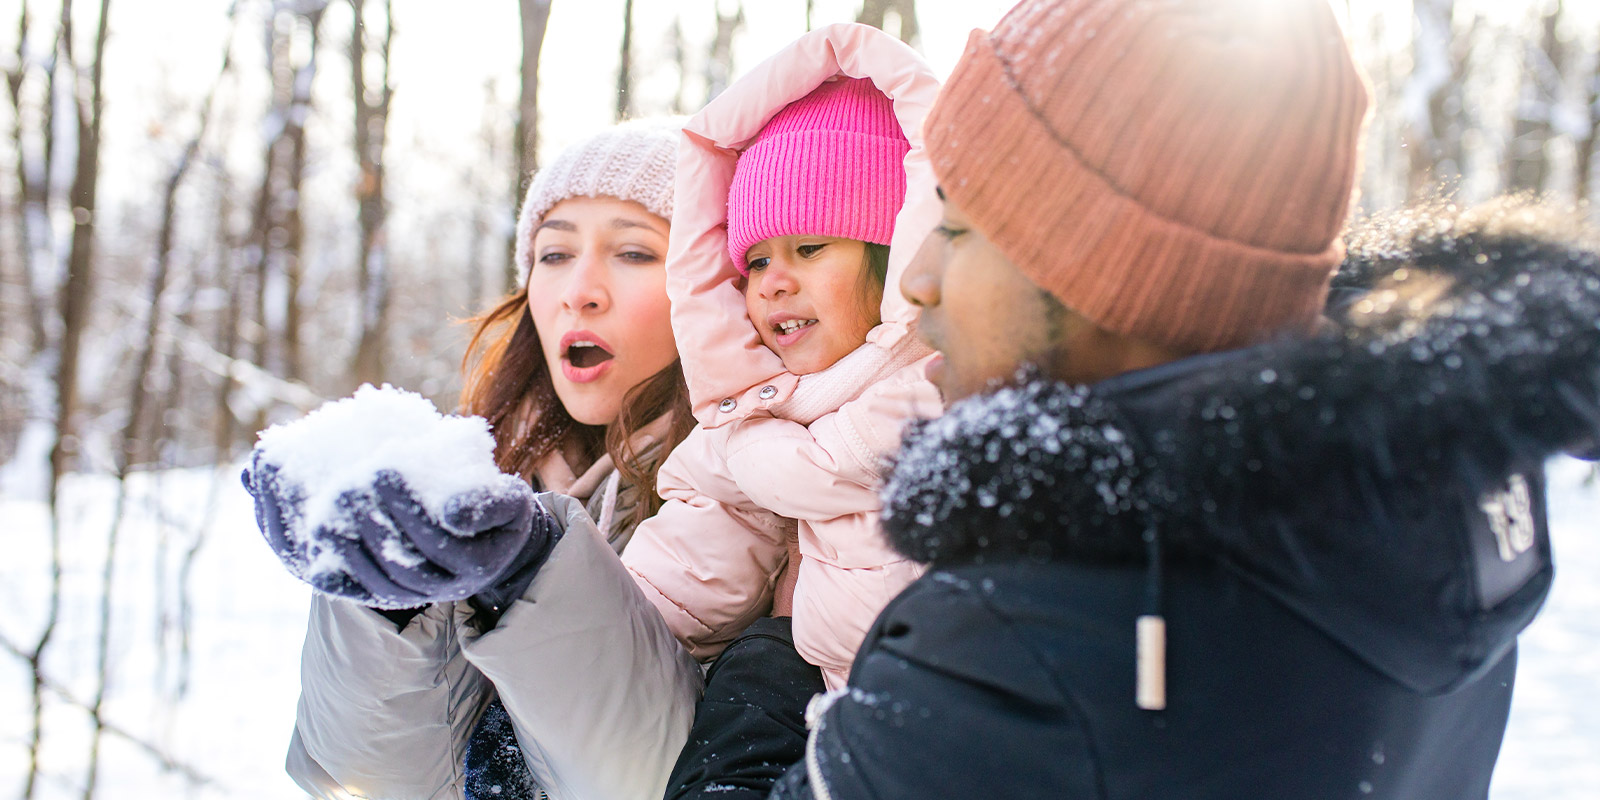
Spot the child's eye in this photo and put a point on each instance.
(809, 250)
(757, 264)
(948, 232)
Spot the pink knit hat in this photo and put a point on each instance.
(829, 164)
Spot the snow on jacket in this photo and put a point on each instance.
(599, 692)
(1352, 534)
(775, 449)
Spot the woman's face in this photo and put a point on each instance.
(598, 297)
(804, 294)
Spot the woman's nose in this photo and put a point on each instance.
(587, 289)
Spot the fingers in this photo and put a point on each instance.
(394, 561)
(380, 546)
(489, 507)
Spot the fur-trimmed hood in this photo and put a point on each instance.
(1382, 478)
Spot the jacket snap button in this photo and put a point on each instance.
(769, 392)
(728, 404)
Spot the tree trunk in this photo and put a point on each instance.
(878, 12)
(680, 59)
(625, 65)
(1589, 145)
(719, 66)
(74, 316)
(372, 267)
(1432, 98)
(525, 144)
(76, 289)
(35, 454)
(1527, 162)
(34, 244)
(292, 200)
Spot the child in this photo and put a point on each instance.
(798, 362)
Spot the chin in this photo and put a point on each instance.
(587, 411)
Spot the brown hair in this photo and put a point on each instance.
(507, 382)
(874, 274)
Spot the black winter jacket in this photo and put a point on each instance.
(1344, 535)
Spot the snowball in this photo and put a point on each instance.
(345, 443)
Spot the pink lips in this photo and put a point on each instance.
(578, 374)
(787, 339)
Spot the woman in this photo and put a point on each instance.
(577, 374)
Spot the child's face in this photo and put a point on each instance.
(810, 299)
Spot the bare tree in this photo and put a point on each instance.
(1588, 145)
(719, 64)
(680, 59)
(525, 141)
(1527, 163)
(77, 288)
(371, 134)
(878, 12)
(76, 294)
(625, 65)
(33, 193)
(290, 201)
(1436, 114)
(34, 151)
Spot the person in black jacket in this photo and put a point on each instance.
(1219, 509)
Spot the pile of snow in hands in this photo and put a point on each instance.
(342, 446)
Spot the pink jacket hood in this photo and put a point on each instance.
(729, 372)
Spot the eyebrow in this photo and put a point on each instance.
(623, 223)
(617, 224)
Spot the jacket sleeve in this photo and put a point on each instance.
(709, 558)
(383, 712)
(835, 466)
(599, 691)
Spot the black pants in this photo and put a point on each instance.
(750, 725)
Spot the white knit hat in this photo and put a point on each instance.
(632, 161)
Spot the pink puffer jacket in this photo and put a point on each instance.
(780, 455)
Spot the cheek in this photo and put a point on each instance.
(752, 300)
(649, 316)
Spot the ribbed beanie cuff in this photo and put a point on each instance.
(829, 164)
(1149, 184)
(634, 161)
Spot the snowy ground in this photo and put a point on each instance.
(229, 726)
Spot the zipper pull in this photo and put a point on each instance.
(1151, 635)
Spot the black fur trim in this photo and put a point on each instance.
(1459, 345)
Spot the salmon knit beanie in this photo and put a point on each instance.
(1174, 170)
(632, 161)
(828, 164)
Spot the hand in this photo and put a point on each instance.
(381, 547)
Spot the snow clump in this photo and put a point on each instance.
(343, 445)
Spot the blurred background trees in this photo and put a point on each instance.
(166, 292)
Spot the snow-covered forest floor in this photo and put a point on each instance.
(222, 714)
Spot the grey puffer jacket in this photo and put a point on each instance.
(599, 691)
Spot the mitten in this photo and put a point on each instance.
(381, 546)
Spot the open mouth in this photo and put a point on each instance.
(786, 328)
(585, 354)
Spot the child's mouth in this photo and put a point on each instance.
(790, 327)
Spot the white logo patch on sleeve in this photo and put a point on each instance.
(1510, 514)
